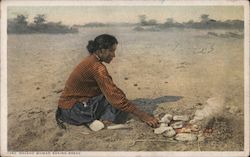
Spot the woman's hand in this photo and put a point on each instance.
(152, 121)
(145, 117)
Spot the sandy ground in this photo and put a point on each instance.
(173, 71)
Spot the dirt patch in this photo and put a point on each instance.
(186, 76)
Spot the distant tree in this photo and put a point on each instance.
(212, 20)
(142, 19)
(18, 24)
(21, 20)
(145, 22)
(169, 23)
(190, 22)
(40, 19)
(94, 24)
(204, 18)
(152, 22)
(169, 20)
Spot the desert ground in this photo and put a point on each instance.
(172, 71)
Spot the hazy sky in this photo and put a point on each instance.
(85, 14)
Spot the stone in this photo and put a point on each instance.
(185, 130)
(186, 137)
(181, 118)
(178, 130)
(163, 125)
(177, 125)
(96, 125)
(195, 128)
(160, 130)
(166, 118)
(170, 132)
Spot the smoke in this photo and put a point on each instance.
(213, 108)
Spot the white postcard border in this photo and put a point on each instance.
(4, 4)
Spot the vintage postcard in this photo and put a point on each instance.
(124, 78)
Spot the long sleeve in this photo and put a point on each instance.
(113, 94)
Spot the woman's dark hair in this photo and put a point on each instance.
(104, 41)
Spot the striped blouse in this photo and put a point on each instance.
(91, 78)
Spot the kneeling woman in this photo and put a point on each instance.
(90, 93)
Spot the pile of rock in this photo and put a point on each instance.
(177, 127)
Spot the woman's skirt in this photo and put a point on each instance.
(96, 108)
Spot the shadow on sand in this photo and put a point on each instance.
(149, 105)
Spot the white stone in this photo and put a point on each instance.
(185, 130)
(170, 132)
(186, 137)
(96, 125)
(166, 118)
(195, 128)
(163, 125)
(177, 125)
(160, 130)
(182, 118)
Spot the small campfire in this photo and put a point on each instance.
(181, 128)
